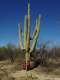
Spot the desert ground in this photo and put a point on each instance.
(9, 71)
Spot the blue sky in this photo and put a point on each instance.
(13, 11)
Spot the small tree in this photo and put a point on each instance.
(11, 53)
(44, 55)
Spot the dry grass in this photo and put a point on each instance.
(10, 71)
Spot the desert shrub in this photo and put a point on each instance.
(3, 53)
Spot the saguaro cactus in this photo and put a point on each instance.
(27, 47)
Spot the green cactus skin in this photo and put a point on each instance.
(25, 32)
(20, 35)
(27, 35)
(36, 34)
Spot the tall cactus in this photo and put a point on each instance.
(26, 42)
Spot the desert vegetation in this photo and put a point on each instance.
(44, 60)
(42, 56)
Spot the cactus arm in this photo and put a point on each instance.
(19, 33)
(25, 32)
(20, 36)
(36, 34)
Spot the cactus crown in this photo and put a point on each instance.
(27, 32)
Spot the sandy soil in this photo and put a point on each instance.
(10, 71)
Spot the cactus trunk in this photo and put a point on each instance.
(28, 27)
(25, 32)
